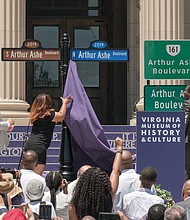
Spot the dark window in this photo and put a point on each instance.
(69, 8)
(46, 73)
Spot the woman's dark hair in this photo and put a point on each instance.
(92, 193)
(41, 107)
(53, 182)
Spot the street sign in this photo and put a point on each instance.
(99, 55)
(99, 51)
(31, 50)
(163, 97)
(168, 59)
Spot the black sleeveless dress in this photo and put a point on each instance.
(40, 138)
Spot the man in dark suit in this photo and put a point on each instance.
(185, 195)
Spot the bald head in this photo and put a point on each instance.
(82, 170)
(29, 160)
(127, 160)
(186, 189)
(88, 217)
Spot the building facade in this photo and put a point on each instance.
(113, 88)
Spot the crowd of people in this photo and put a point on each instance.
(94, 195)
(129, 195)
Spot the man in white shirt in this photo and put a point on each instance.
(34, 192)
(72, 185)
(128, 180)
(136, 204)
(28, 163)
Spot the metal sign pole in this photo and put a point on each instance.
(65, 157)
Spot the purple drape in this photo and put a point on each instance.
(89, 144)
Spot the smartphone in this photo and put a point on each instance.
(45, 211)
(108, 216)
(22, 207)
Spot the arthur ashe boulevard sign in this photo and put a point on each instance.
(99, 51)
(31, 50)
(167, 59)
(163, 97)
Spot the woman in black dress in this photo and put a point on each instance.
(43, 119)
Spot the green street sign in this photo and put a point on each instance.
(169, 59)
(163, 97)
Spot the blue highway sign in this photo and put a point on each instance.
(99, 55)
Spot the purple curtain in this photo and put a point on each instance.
(89, 144)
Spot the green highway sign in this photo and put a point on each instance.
(163, 97)
(169, 59)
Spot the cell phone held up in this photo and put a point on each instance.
(45, 212)
(108, 216)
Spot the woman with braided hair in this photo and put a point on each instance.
(57, 193)
(95, 190)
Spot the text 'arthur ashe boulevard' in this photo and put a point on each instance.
(31, 54)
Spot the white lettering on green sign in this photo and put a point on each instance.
(162, 93)
(161, 62)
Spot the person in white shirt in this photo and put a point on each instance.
(28, 163)
(128, 180)
(136, 204)
(34, 192)
(57, 194)
(72, 184)
(5, 126)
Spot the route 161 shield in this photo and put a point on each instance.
(173, 50)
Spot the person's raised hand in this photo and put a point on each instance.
(119, 144)
(67, 100)
(11, 126)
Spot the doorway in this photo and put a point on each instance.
(44, 76)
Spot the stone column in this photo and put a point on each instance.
(12, 74)
(159, 20)
(133, 80)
